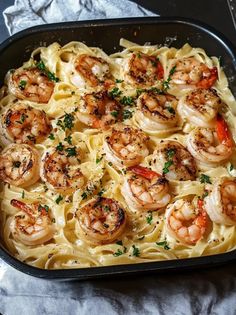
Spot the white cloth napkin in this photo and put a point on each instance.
(26, 13)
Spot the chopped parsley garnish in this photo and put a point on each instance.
(155, 90)
(41, 66)
(171, 110)
(60, 147)
(163, 244)
(67, 122)
(136, 251)
(166, 84)
(231, 167)
(149, 218)
(101, 192)
(119, 243)
(205, 194)
(154, 62)
(84, 195)
(98, 160)
(170, 153)
(107, 209)
(119, 81)
(118, 253)
(71, 151)
(22, 84)
(51, 136)
(127, 100)
(68, 139)
(22, 119)
(59, 199)
(127, 114)
(165, 169)
(115, 92)
(17, 164)
(139, 92)
(31, 138)
(115, 114)
(138, 55)
(43, 207)
(205, 179)
(110, 163)
(23, 194)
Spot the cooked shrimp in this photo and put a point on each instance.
(126, 146)
(98, 110)
(200, 107)
(90, 70)
(60, 170)
(186, 221)
(19, 165)
(101, 221)
(211, 146)
(189, 72)
(173, 159)
(31, 84)
(25, 124)
(157, 110)
(32, 225)
(144, 189)
(220, 203)
(143, 70)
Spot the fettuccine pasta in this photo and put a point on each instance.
(117, 159)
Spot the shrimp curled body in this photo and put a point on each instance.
(60, 170)
(200, 107)
(19, 165)
(126, 146)
(145, 190)
(25, 124)
(156, 111)
(174, 160)
(32, 225)
(220, 203)
(186, 222)
(101, 221)
(31, 84)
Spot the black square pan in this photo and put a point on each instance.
(106, 34)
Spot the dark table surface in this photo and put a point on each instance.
(212, 12)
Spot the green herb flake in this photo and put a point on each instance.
(71, 151)
(231, 167)
(149, 218)
(118, 253)
(101, 192)
(119, 243)
(119, 81)
(59, 199)
(84, 195)
(68, 139)
(163, 244)
(23, 194)
(127, 100)
(60, 147)
(98, 160)
(43, 207)
(205, 179)
(67, 122)
(115, 114)
(170, 153)
(136, 251)
(110, 163)
(205, 194)
(51, 136)
(53, 220)
(115, 92)
(41, 66)
(166, 84)
(107, 209)
(127, 114)
(171, 110)
(139, 92)
(165, 169)
(22, 84)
